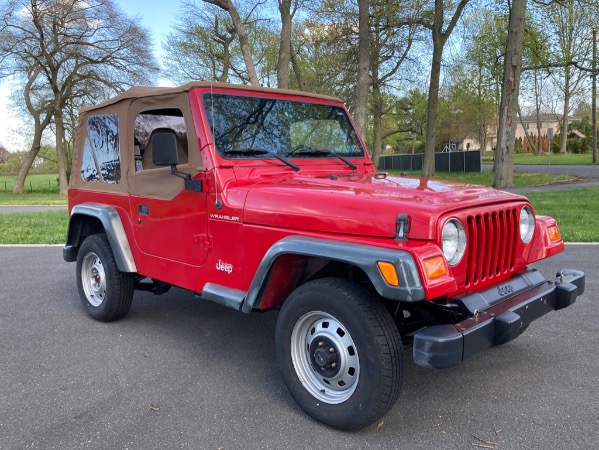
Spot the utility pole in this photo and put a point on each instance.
(594, 101)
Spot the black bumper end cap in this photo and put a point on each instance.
(438, 347)
(565, 295)
(69, 253)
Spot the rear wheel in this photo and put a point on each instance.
(105, 292)
(339, 352)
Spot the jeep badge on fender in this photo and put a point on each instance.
(259, 199)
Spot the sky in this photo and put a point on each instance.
(155, 15)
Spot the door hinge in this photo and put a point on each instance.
(203, 241)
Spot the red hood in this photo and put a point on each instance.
(361, 204)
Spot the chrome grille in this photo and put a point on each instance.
(491, 244)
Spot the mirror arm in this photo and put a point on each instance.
(190, 184)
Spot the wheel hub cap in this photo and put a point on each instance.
(324, 357)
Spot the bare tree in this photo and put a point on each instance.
(202, 45)
(244, 42)
(73, 44)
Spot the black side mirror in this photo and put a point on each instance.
(164, 149)
(165, 153)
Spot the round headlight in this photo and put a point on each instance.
(527, 224)
(454, 241)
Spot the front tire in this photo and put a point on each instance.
(106, 293)
(339, 352)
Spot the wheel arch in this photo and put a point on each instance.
(288, 252)
(93, 218)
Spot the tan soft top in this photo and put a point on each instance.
(148, 91)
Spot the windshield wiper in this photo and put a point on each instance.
(261, 151)
(323, 152)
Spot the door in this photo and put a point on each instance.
(169, 221)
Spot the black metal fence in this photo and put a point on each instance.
(468, 161)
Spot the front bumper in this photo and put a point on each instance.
(499, 314)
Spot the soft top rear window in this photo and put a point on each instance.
(244, 126)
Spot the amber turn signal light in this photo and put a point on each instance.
(434, 267)
(554, 234)
(389, 273)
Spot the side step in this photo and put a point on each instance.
(229, 297)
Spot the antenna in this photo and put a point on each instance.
(212, 113)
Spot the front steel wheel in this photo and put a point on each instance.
(325, 357)
(106, 293)
(339, 352)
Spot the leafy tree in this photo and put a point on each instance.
(408, 114)
(384, 38)
(434, 17)
(570, 22)
(483, 63)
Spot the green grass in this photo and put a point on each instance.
(37, 198)
(47, 227)
(33, 183)
(485, 178)
(576, 212)
(543, 160)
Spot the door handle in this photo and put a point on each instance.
(143, 209)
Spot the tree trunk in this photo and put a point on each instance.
(377, 122)
(285, 45)
(244, 42)
(428, 165)
(506, 135)
(564, 131)
(19, 187)
(363, 79)
(537, 150)
(38, 130)
(297, 71)
(413, 143)
(225, 40)
(60, 153)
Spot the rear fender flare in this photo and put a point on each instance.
(113, 227)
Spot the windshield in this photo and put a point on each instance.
(253, 127)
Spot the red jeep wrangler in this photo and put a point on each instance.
(263, 199)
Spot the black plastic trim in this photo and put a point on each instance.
(229, 297)
(113, 227)
(443, 346)
(363, 256)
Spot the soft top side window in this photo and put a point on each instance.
(102, 150)
(148, 122)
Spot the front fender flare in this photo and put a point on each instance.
(363, 256)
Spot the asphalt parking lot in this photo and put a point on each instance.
(178, 373)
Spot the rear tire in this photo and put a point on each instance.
(339, 352)
(106, 293)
